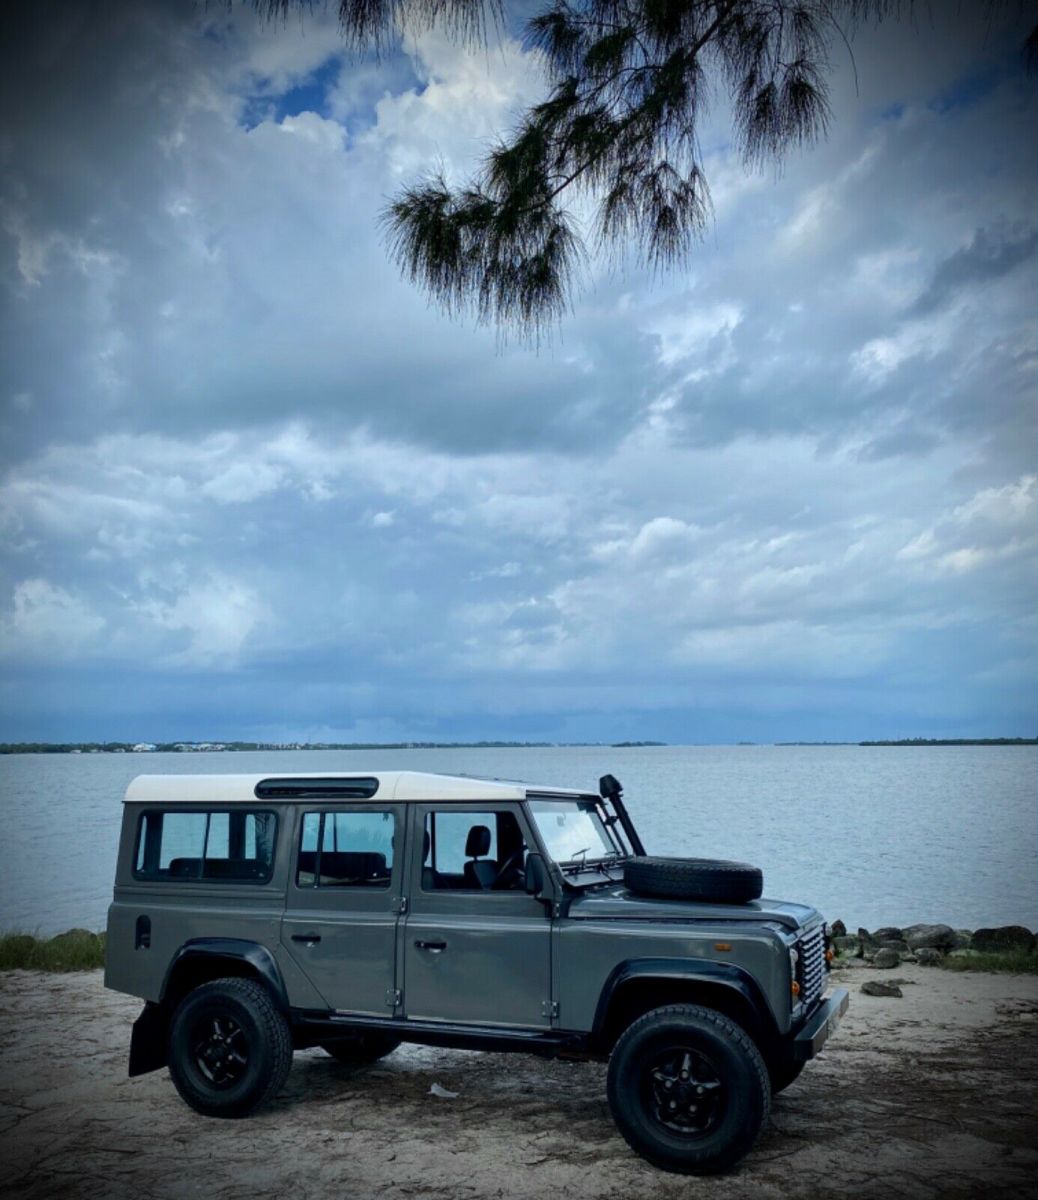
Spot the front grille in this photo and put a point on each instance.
(812, 966)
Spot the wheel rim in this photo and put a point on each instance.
(220, 1049)
(682, 1091)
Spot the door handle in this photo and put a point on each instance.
(310, 938)
(435, 947)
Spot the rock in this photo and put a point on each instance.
(935, 937)
(838, 929)
(895, 944)
(874, 988)
(844, 961)
(962, 953)
(849, 946)
(965, 937)
(869, 945)
(1003, 938)
(927, 956)
(887, 934)
(1023, 1010)
(884, 958)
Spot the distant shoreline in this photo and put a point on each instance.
(1005, 741)
(246, 747)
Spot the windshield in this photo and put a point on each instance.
(572, 830)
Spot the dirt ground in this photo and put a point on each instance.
(931, 1095)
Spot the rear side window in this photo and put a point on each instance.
(346, 849)
(234, 846)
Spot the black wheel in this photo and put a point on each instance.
(230, 1048)
(694, 879)
(362, 1048)
(783, 1074)
(688, 1089)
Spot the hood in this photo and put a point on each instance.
(618, 904)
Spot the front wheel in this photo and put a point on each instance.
(230, 1048)
(688, 1089)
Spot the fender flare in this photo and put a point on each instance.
(733, 979)
(258, 957)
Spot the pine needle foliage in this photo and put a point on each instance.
(628, 83)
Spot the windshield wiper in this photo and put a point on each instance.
(578, 864)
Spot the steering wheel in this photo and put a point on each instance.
(511, 863)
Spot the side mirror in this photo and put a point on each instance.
(534, 882)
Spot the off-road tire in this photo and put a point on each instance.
(721, 1050)
(694, 879)
(361, 1050)
(260, 1036)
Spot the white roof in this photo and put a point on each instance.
(392, 785)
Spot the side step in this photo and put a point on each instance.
(323, 1025)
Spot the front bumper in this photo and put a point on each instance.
(820, 1025)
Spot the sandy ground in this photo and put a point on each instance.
(932, 1095)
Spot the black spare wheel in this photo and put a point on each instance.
(694, 879)
(688, 1089)
(230, 1048)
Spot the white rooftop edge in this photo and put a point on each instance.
(392, 785)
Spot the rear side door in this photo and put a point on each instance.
(473, 953)
(343, 903)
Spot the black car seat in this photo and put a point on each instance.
(479, 872)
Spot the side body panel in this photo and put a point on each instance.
(589, 952)
(181, 911)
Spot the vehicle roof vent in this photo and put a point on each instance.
(317, 789)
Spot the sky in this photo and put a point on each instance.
(255, 487)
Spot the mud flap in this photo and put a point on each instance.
(148, 1040)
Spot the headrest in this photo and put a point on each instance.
(478, 841)
(426, 846)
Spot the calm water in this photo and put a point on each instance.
(875, 836)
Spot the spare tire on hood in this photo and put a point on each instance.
(694, 879)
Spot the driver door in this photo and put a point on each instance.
(477, 948)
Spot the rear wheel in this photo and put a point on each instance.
(230, 1048)
(688, 1089)
(362, 1048)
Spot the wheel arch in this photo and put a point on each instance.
(199, 961)
(637, 986)
(202, 960)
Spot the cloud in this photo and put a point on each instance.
(244, 460)
(49, 622)
(991, 254)
(216, 615)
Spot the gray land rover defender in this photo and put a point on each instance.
(256, 915)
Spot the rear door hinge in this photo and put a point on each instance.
(399, 904)
(394, 997)
(550, 1008)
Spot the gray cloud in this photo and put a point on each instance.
(991, 254)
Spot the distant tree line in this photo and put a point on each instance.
(955, 742)
(220, 747)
